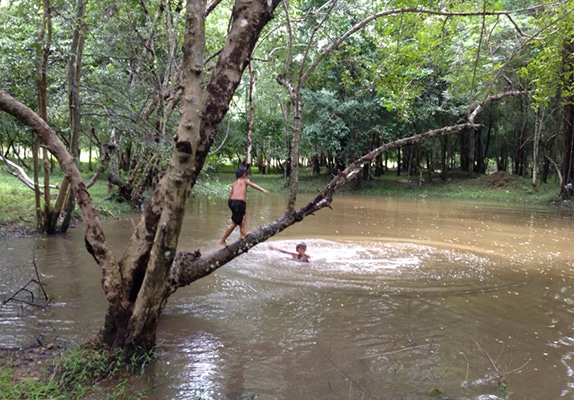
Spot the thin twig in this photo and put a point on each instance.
(501, 374)
(25, 289)
(353, 381)
(38, 280)
(387, 353)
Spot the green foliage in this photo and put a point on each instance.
(211, 187)
(403, 73)
(344, 129)
(18, 49)
(544, 71)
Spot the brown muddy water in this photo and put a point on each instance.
(403, 299)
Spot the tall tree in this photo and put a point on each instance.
(44, 41)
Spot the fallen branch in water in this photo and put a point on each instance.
(108, 212)
(25, 289)
(502, 374)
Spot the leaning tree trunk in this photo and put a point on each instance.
(141, 295)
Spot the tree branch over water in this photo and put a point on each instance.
(191, 266)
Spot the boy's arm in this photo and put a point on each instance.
(281, 250)
(255, 186)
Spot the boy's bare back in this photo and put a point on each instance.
(239, 188)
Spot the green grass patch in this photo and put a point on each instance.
(18, 206)
(495, 187)
(78, 373)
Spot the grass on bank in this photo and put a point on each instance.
(17, 207)
(488, 188)
(77, 373)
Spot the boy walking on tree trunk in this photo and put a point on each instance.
(237, 203)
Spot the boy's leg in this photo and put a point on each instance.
(242, 231)
(230, 228)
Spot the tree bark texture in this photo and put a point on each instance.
(146, 264)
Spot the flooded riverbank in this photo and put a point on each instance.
(402, 297)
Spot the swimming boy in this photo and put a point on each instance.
(299, 255)
(237, 203)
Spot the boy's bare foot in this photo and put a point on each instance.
(223, 242)
(243, 235)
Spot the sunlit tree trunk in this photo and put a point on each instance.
(567, 147)
(40, 154)
(539, 125)
(251, 121)
(472, 151)
(445, 157)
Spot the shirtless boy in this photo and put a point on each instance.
(237, 203)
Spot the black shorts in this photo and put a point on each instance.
(237, 208)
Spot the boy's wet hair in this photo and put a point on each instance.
(302, 244)
(240, 172)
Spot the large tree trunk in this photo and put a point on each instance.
(132, 317)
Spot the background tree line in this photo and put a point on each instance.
(340, 86)
(404, 74)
